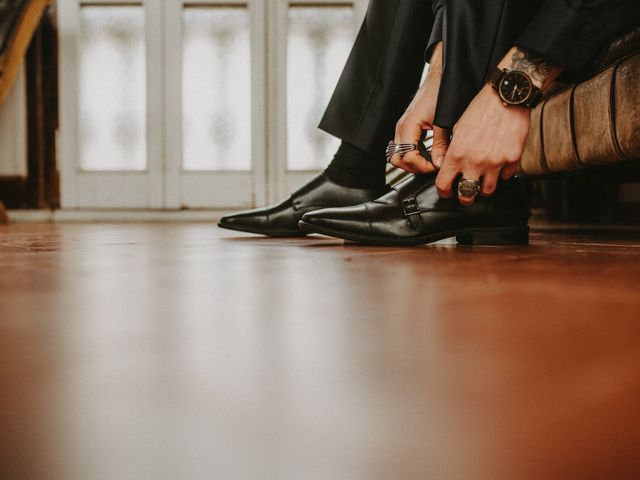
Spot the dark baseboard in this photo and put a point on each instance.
(13, 191)
(4, 219)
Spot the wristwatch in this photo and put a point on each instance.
(515, 88)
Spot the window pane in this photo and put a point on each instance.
(319, 42)
(216, 92)
(112, 88)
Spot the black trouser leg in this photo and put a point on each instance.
(382, 74)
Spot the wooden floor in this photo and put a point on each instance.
(183, 352)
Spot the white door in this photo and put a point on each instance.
(169, 104)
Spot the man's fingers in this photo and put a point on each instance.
(509, 171)
(489, 182)
(415, 160)
(397, 162)
(441, 140)
(445, 179)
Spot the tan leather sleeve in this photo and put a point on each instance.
(593, 123)
(593, 117)
(533, 161)
(627, 107)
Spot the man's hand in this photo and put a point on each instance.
(418, 117)
(487, 142)
(490, 137)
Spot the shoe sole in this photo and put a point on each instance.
(468, 236)
(270, 233)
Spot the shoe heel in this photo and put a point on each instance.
(496, 236)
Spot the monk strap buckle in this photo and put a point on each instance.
(410, 206)
(412, 211)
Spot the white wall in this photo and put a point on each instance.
(13, 130)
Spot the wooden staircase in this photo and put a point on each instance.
(19, 22)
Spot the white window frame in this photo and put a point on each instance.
(165, 185)
(221, 189)
(109, 189)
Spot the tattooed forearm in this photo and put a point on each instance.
(533, 64)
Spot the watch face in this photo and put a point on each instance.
(515, 88)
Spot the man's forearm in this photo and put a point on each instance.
(431, 85)
(435, 62)
(419, 117)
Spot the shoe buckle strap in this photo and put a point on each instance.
(412, 211)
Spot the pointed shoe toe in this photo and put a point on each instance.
(261, 221)
(282, 220)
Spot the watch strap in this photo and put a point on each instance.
(495, 77)
(535, 98)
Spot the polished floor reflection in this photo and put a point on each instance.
(182, 352)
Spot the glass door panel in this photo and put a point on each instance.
(110, 137)
(216, 88)
(112, 97)
(319, 39)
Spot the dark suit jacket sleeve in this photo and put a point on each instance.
(436, 32)
(571, 33)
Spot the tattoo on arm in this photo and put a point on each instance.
(533, 64)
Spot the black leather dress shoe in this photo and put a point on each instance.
(413, 214)
(282, 220)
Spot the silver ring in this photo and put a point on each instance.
(469, 188)
(399, 149)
